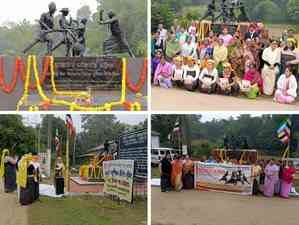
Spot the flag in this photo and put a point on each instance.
(284, 131)
(70, 125)
(57, 144)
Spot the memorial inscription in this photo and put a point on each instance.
(80, 73)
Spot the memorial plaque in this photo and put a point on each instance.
(133, 145)
(80, 73)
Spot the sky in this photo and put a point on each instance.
(223, 115)
(18, 10)
(33, 120)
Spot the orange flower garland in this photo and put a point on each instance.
(142, 78)
(8, 88)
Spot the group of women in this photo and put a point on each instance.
(273, 178)
(243, 63)
(269, 177)
(176, 174)
(21, 174)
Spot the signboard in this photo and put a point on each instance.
(119, 176)
(80, 73)
(223, 178)
(133, 145)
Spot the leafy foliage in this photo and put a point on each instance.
(293, 10)
(259, 131)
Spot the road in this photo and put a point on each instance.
(11, 212)
(181, 100)
(211, 208)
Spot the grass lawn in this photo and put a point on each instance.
(86, 210)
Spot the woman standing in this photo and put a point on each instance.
(9, 169)
(288, 175)
(176, 173)
(188, 173)
(165, 171)
(237, 59)
(271, 178)
(272, 59)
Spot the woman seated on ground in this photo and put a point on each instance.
(191, 74)
(177, 74)
(252, 84)
(208, 78)
(286, 92)
(227, 83)
(176, 173)
(163, 73)
(188, 173)
(288, 175)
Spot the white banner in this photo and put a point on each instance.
(223, 178)
(118, 176)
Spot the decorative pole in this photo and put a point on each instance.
(67, 175)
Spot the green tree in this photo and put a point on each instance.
(293, 10)
(267, 11)
(15, 136)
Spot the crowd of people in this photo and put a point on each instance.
(249, 63)
(272, 177)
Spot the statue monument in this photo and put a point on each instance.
(117, 42)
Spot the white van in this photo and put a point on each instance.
(157, 154)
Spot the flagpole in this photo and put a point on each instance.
(67, 162)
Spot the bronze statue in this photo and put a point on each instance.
(211, 11)
(46, 24)
(67, 30)
(116, 43)
(79, 47)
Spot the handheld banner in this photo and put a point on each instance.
(223, 178)
(118, 176)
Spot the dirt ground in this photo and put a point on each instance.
(12, 213)
(211, 208)
(182, 100)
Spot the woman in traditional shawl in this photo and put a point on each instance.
(256, 172)
(59, 179)
(271, 178)
(227, 83)
(176, 173)
(166, 171)
(237, 59)
(272, 59)
(177, 74)
(208, 78)
(286, 92)
(9, 169)
(188, 173)
(288, 175)
(191, 74)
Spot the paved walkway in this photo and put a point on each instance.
(181, 100)
(211, 208)
(11, 212)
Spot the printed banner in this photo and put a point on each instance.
(45, 162)
(223, 178)
(118, 176)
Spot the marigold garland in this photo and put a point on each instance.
(142, 78)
